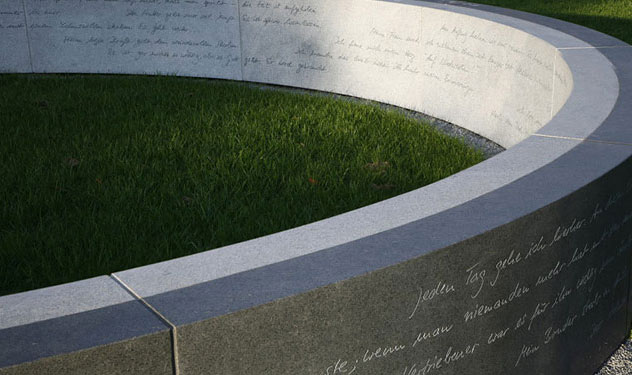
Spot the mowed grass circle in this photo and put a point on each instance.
(105, 173)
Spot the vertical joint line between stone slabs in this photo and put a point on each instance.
(241, 41)
(627, 307)
(173, 328)
(28, 35)
(553, 81)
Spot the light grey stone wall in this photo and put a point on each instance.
(490, 78)
(562, 83)
(14, 46)
(344, 47)
(185, 38)
(497, 79)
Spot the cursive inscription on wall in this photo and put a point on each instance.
(11, 17)
(296, 41)
(576, 294)
(158, 36)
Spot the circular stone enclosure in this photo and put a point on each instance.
(520, 264)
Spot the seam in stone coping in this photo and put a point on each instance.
(173, 328)
(28, 36)
(582, 139)
(629, 311)
(594, 47)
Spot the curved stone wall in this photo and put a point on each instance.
(520, 264)
(423, 58)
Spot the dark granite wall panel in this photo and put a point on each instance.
(544, 294)
(119, 338)
(146, 355)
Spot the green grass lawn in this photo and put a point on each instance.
(612, 17)
(105, 173)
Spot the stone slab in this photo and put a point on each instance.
(496, 79)
(146, 355)
(113, 328)
(60, 300)
(345, 47)
(618, 126)
(531, 293)
(14, 42)
(89, 324)
(564, 83)
(185, 38)
(424, 51)
(596, 86)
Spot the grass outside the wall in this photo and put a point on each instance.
(612, 17)
(105, 173)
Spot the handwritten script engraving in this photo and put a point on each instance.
(158, 36)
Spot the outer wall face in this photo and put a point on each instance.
(545, 294)
(142, 355)
(496, 80)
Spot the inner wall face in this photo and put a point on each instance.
(186, 38)
(494, 80)
(13, 39)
